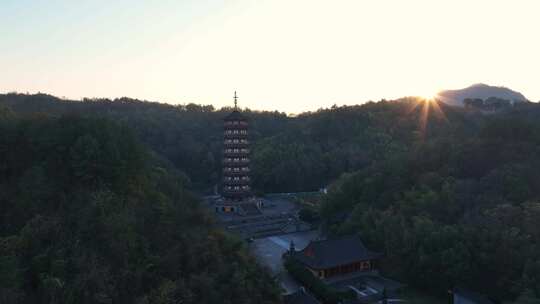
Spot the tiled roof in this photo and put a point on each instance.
(334, 252)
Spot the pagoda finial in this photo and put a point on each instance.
(235, 101)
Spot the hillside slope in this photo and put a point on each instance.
(88, 216)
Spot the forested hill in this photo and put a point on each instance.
(189, 136)
(450, 195)
(88, 215)
(454, 210)
(299, 153)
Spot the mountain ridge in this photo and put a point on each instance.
(481, 91)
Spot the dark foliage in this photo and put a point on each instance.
(189, 136)
(450, 195)
(457, 208)
(88, 216)
(302, 153)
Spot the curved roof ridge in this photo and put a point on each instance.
(235, 115)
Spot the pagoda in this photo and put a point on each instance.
(236, 181)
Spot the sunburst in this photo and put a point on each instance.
(429, 106)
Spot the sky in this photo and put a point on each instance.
(286, 55)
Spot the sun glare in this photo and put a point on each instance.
(430, 95)
(428, 106)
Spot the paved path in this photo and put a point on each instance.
(279, 241)
(269, 250)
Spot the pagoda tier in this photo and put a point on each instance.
(236, 180)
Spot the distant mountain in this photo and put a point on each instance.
(482, 91)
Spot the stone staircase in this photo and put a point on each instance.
(250, 209)
(260, 226)
(263, 226)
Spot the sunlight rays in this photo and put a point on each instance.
(427, 107)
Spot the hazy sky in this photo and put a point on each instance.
(289, 55)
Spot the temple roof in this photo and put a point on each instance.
(334, 252)
(235, 115)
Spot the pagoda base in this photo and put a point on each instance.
(247, 206)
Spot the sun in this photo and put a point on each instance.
(430, 95)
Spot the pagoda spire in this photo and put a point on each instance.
(235, 101)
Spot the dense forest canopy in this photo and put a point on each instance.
(189, 136)
(458, 208)
(324, 143)
(90, 216)
(449, 194)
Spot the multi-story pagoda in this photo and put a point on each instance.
(236, 181)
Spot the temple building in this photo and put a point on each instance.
(236, 181)
(334, 257)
